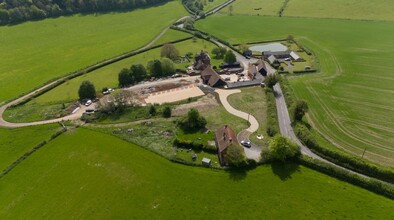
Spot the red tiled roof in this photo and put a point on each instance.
(225, 136)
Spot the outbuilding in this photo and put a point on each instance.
(206, 162)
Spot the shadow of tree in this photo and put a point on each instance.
(285, 170)
(237, 174)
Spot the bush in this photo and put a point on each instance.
(281, 148)
(167, 112)
(235, 156)
(193, 120)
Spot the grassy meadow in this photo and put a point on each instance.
(351, 100)
(209, 5)
(45, 105)
(344, 9)
(33, 53)
(88, 175)
(254, 7)
(17, 141)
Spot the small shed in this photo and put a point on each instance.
(206, 162)
(295, 56)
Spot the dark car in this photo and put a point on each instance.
(246, 143)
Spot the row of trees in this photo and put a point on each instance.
(13, 11)
(137, 72)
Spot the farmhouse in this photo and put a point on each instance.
(210, 77)
(224, 138)
(201, 61)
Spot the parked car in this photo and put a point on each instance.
(88, 102)
(246, 143)
(176, 75)
(89, 111)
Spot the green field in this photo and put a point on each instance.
(33, 53)
(351, 101)
(209, 5)
(87, 175)
(42, 107)
(15, 142)
(344, 9)
(254, 7)
(172, 35)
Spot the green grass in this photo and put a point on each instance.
(213, 4)
(34, 52)
(15, 142)
(345, 9)
(247, 7)
(218, 116)
(104, 77)
(87, 175)
(172, 35)
(351, 101)
(253, 101)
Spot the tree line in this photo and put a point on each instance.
(15, 11)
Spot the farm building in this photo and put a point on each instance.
(224, 138)
(252, 71)
(261, 67)
(277, 55)
(201, 61)
(295, 56)
(211, 77)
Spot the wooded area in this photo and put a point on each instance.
(15, 11)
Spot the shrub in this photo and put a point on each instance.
(235, 156)
(281, 148)
(193, 120)
(167, 112)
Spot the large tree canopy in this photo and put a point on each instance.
(87, 90)
(13, 11)
(281, 148)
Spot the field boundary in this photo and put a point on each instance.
(283, 8)
(30, 152)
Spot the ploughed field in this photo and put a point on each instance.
(89, 175)
(352, 99)
(33, 53)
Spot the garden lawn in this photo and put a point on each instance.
(351, 101)
(33, 53)
(253, 101)
(87, 175)
(103, 77)
(345, 9)
(17, 141)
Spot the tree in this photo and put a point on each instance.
(193, 120)
(152, 110)
(229, 57)
(125, 78)
(235, 156)
(167, 112)
(189, 23)
(300, 108)
(154, 68)
(169, 51)
(167, 67)
(271, 80)
(281, 148)
(86, 91)
(219, 52)
(138, 72)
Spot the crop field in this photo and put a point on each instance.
(351, 100)
(104, 77)
(344, 9)
(15, 142)
(33, 53)
(255, 7)
(106, 177)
